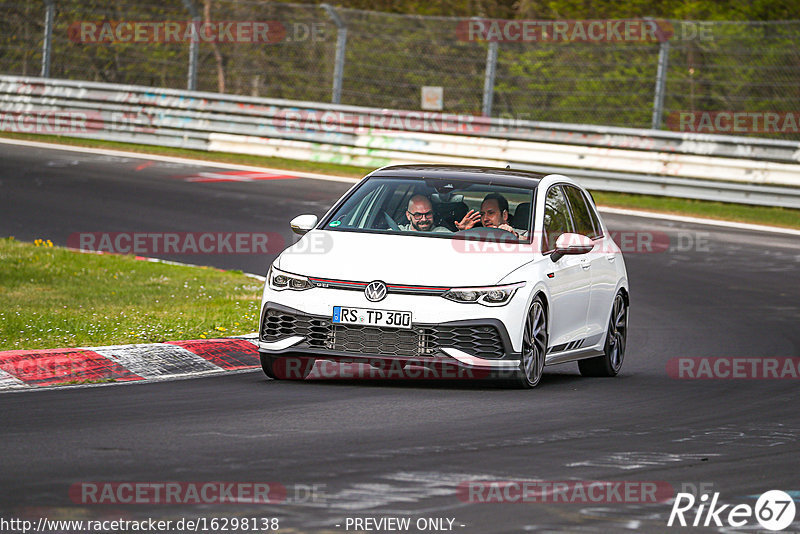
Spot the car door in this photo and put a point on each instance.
(601, 263)
(569, 278)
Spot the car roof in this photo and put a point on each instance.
(487, 175)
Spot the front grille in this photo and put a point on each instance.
(376, 340)
(278, 325)
(483, 341)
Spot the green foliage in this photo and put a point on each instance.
(52, 297)
(737, 62)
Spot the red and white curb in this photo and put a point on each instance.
(172, 360)
(25, 369)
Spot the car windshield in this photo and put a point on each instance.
(436, 208)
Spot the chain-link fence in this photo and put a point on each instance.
(325, 54)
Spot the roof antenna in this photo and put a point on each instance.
(508, 166)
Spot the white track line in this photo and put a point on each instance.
(173, 378)
(173, 159)
(316, 176)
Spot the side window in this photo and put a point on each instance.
(598, 228)
(365, 211)
(556, 217)
(355, 213)
(580, 212)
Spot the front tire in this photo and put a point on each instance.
(286, 368)
(534, 346)
(610, 362)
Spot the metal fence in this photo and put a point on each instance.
(355, 57)
(729, 169)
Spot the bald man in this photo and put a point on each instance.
(420, 216)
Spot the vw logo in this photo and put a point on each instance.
(375, 291)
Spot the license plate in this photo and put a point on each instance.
(369, 317)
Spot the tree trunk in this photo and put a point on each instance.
(217, 55)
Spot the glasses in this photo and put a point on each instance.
(418, 216)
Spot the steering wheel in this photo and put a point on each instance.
(392, 224)
(493, 234)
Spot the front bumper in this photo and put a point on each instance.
(482, 344)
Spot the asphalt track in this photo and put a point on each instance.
(398, 448)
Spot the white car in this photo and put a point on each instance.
(440, 267)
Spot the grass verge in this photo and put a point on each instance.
(784, 217)
(771, 216)
(52, 297)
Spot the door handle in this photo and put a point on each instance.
(611, 258)
(585, 263)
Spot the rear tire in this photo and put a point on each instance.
(287, 367)
(610, 362)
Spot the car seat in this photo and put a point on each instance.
(449, 212)
(522, 217)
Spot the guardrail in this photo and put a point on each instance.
(711, 167)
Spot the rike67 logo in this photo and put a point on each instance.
(774, 510)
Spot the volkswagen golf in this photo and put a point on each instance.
(497, 272)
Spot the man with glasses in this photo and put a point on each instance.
(420, 216)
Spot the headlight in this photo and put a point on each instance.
(488, 296)
(279, 280)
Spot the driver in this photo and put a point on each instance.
(494, 214)
(420, 216)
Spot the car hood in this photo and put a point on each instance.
(401, 259)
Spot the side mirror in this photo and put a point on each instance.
(303, 223)
(571, 244)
